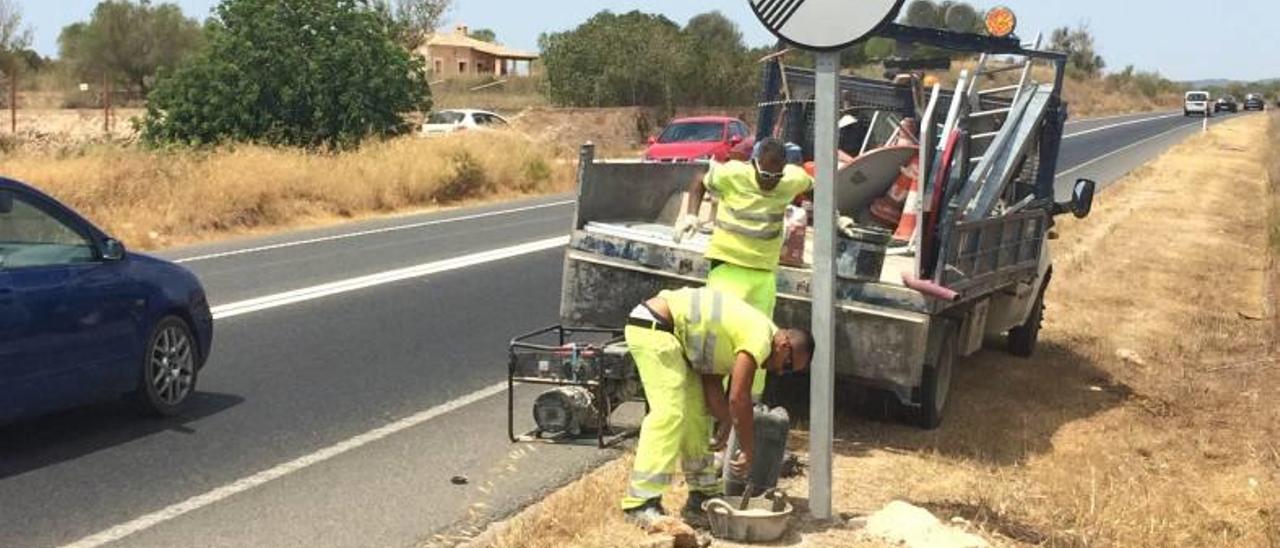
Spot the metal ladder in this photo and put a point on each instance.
(974, 96)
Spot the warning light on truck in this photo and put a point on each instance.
(1001, 22)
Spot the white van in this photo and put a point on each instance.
(1198, 103)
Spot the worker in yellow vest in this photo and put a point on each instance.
(747, 239)
(685, 343)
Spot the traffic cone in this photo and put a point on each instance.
(910, 219)
(887, 210)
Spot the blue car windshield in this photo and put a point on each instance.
(693, 132)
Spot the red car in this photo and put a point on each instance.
(699, 139)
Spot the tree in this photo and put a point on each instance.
(14, 36)
(719, 70)
(633, 59)
(485, 35)
(130, 40)
(416, 20)
(1078, 44)
(305, 73)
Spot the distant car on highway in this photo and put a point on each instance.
(1255, 101)
(1197, 102)
(1226, 103)
(698, 138)
(84, 320)
(444, 122)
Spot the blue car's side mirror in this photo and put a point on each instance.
(112, 250)
(6, 201)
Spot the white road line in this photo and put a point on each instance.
(343, 286)
(1124, 149)
(1121, 124)
(306, 294)
(1104, 118)
(276, 472)
(349, 235)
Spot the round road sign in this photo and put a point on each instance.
(824, 25)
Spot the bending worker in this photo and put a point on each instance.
(685, 343)
(747, 240)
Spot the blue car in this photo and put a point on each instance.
(83, 320)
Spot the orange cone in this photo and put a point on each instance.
(887, 210)
(910, 218)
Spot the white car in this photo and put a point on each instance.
(444, 122)
(1198, 103)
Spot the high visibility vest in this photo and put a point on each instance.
(714, 327)
(749, 220)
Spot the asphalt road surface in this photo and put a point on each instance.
(355, 372)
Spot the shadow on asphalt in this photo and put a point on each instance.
(34, 444)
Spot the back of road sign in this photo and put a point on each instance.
(824, 25)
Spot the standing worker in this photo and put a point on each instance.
(685, 343)
(747, 240)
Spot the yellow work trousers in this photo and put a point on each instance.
(676, 432)
(758, 288)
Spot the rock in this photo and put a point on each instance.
(1129, 356)
(679, 533)
(458, 480)
(907, 525)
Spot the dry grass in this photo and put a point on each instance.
(1148, 418)
(154, 199)
(1087, 98)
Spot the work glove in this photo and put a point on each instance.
(686, 226)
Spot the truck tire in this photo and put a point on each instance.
(1022, 339)
(935, 387)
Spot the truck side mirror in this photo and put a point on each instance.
(653, 140)
(735, 140)
(1082, 198)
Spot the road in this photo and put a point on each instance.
(354, 374)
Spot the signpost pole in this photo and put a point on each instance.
(822, 377)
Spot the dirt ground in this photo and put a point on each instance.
(1149, 416)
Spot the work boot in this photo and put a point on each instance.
(693, 514)
(646, 515)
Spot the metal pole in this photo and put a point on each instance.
(822, 376)
(13, 102)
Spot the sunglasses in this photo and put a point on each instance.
(766, 174)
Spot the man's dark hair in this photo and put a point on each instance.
(806, 342)
(773, 150)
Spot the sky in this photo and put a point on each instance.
(1236, 42)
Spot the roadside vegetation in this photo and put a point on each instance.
(156, 198)
(1149, 417)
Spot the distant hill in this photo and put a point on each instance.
(1222, 82)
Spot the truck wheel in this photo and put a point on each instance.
(1022, 339)
(936, 384)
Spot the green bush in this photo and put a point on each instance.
(467, 180)
(307, 73)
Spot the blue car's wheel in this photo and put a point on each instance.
(169, 369)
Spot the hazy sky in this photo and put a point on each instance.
(1238, 41)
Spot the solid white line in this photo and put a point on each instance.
(348, 235)
(244, 484)
(1123, 149)
(1104, 118)
(343, 286)
(1121, 124)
